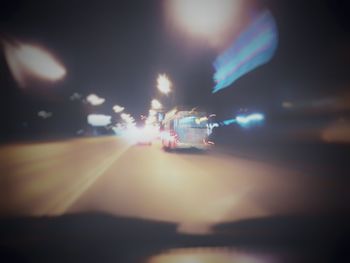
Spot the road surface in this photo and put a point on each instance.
(195, 190)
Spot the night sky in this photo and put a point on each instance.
(116, 49)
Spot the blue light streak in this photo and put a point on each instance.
(246, 121)
(230, 121)
(254, 47)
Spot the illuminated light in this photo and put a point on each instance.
(128, 119)
(208, 255)
(151, 120)
(249, 120)
(163, 84)
(152, 112)
(200, 120)
(156, 105)
(125, 116)
(131, 134)
(203, 119)
(44, 114)
(27, 61)
(95, 100)
(251, 117)
(205, 19)
(254, 47)
(118, 109)
(119, 129)
(228, 122)
(140, 135)
(99, 120)
(242, 120)
(151, 131)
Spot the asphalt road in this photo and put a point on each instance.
(195, 190)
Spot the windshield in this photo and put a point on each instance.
(202, 115)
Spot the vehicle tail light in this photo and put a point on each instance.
(174, 135)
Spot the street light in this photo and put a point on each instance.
(156, 105)
(211, 20)
(163, 84)
(26, 61)
(118, 109)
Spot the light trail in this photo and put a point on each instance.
(254, 47)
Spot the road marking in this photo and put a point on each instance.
(73, 193)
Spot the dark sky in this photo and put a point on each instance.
(116, 49)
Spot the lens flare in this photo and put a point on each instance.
(28, 62)
(254, 47)
(210, 20)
